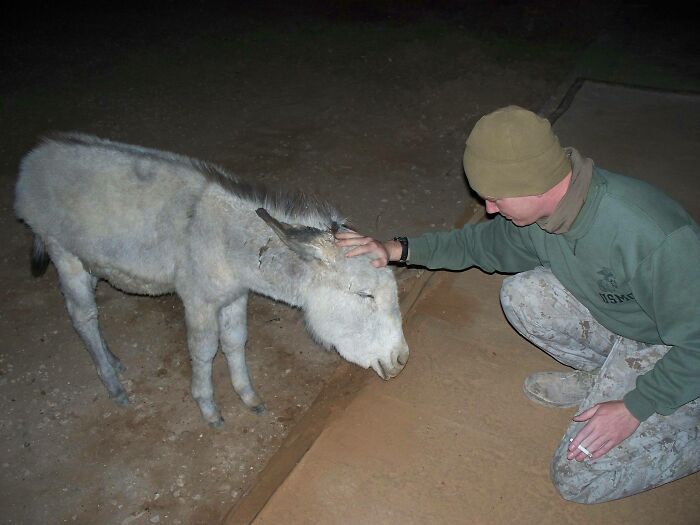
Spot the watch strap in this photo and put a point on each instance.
(404, 248)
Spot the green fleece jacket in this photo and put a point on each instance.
(632, 257)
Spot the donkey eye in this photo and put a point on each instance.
(365, 295)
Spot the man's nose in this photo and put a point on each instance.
(491, 207)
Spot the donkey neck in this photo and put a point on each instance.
(279, 272)
(259, 260)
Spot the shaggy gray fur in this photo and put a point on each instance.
(152, 222)
(295, 206)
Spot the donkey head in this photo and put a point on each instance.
(350, 305)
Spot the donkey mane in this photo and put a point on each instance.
(297, 207)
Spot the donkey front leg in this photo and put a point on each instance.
(203, 342)
(233, 333)
(78, 288)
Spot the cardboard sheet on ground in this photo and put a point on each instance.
(453, 439)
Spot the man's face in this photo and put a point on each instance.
(522, 211)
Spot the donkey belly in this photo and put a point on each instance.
(137, 284)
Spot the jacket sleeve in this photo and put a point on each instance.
(492, 245)
(667, 287)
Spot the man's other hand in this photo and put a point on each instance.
(609, 424)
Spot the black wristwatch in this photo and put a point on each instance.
(404, 248)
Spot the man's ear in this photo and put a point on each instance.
(307, 242)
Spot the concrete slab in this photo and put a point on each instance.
(452, 439)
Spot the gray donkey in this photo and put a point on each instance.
(152, 222)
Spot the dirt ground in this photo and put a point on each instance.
(365, 107)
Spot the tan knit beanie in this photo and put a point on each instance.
(513, 153)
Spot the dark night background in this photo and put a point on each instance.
(365, 103)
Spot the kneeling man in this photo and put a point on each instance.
(606, 280)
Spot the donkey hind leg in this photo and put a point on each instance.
(203, 343)
(233, 333)
(113, 359)
(78, 288)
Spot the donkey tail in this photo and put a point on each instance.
(40, 259)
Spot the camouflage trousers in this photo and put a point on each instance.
(662, 449)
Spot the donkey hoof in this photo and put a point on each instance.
(258, 409)
(121, 399)
(217, 424)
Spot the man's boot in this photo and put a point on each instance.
(559, 389)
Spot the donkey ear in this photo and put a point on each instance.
(345, 228)
(309, 243)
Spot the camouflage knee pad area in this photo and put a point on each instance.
(663, 448)
(544, 312)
